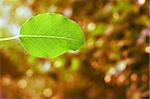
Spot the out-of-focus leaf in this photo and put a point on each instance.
(75, 64)
(100, 29)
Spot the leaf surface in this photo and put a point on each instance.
(50, 35)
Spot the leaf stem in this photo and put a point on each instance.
(9, 38)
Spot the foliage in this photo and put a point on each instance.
(112, 64)
(50, 35)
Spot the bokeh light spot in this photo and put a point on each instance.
(22, 83)
(47, 92)
(107, 78)
(91, 26)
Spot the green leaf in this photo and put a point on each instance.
(50, 35)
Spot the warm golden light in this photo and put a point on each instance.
(6, 81)
(147, 49)
(29, 73)
(57, 64)
(107, 78)
(121, 79)
(47, 92)
(133, 77)
(91, 26)
(141, 2)
(116, 16)
(22, 83)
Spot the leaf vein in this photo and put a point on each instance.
(47, 36)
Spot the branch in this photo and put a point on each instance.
(9, 38)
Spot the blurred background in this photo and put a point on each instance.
(112, 64)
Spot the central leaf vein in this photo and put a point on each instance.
(47, 36)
